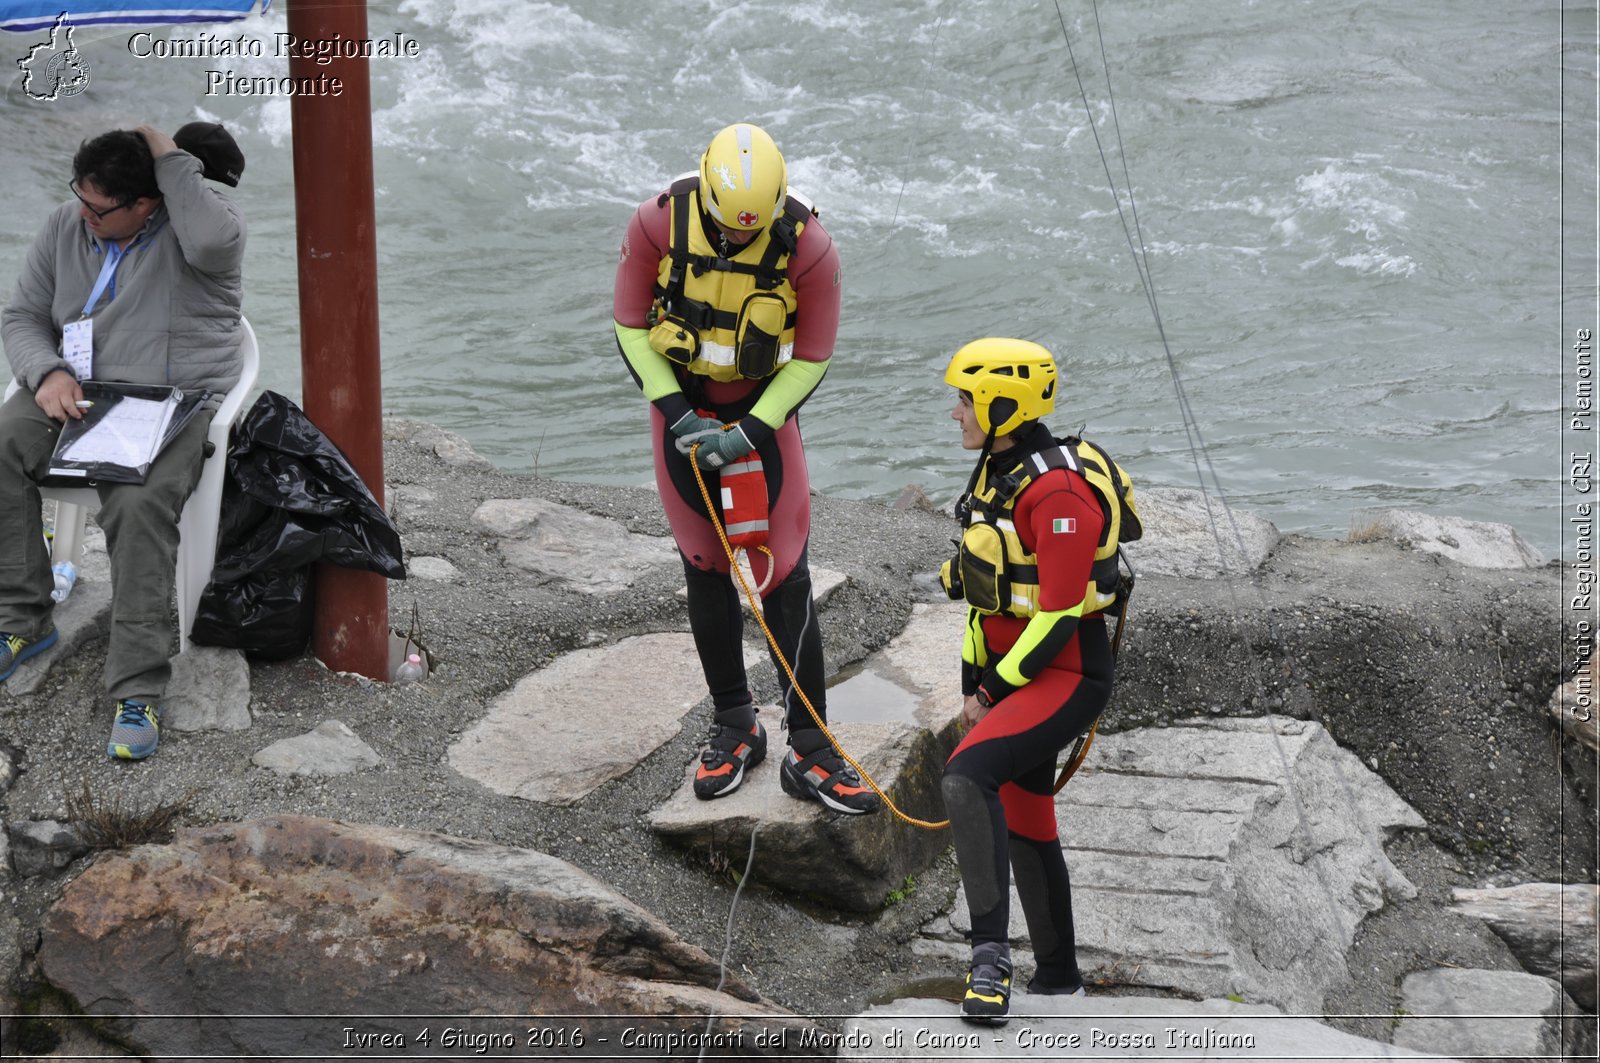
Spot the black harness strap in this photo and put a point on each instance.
(769, 273)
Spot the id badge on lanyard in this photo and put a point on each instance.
(77, 337)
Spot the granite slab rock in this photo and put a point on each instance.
(330, 748)
(209, 691)
(1189, 535)
(651, 681)
(304, 916)
(1435, 659)
(1218, 857)
(589, 554)
(1475, 543)
(1437, 675)
(1549, 927)
(843, 861)
(1491, 1016)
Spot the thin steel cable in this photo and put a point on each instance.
(1201, 456)
(933, 55)
(727, 939)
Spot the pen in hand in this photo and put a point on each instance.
(84, 404)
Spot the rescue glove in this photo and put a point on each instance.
(721, 449)
(692, 428)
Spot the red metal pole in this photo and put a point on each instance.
(338, 252)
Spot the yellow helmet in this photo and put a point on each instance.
(743, 181)
(1011, 382)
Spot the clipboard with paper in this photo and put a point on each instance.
(122, 431)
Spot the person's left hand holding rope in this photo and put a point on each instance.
(723, 448)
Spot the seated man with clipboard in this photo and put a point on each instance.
(134, 281)
(121, 429)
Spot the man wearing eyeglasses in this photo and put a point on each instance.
(136, 279)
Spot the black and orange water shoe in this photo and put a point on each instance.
(813, 771)
(730, 749)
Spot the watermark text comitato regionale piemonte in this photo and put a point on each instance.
(321, 52)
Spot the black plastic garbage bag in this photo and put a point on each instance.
(290, 500)
(268, 615)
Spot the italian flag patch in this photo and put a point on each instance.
(1064, 525)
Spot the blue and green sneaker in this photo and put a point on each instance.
(14, 649)
(137, 731)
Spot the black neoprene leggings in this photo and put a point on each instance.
(997, 789)
(717, 621)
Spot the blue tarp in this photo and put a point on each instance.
(29, 16)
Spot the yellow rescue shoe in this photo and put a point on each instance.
(988, 997)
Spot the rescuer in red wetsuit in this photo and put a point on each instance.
(727, 307)
(1036, 660)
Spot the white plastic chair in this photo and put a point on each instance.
(202, 513)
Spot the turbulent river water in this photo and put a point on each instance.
(1351, 214)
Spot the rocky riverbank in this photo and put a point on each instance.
(550, 728)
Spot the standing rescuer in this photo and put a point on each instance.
(727, 308)
(1037, 566)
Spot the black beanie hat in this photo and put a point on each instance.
(216, 149)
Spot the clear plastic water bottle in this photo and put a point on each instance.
(410, 670)
(65, 575)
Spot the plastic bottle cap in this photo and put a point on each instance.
(411, 669)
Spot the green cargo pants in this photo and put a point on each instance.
(141, 526)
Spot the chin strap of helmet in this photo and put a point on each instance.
(964, 503)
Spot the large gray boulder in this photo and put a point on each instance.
(865, 857)
(1493, 1016)
(1434, 673)
(1220, 857)
(1475, 543)
(847, 862)
(203, 946)
(1549, 927)
(1183, 529)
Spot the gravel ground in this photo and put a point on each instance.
(1434, 674)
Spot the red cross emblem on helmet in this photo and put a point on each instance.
(748, 217)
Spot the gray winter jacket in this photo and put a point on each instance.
(174, 316)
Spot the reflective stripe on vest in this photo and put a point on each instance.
(707, 294)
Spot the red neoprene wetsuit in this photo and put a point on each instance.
(814, 275)
(715, 616)
(999, 781)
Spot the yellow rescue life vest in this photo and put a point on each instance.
(726, 318)
(996, 574)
